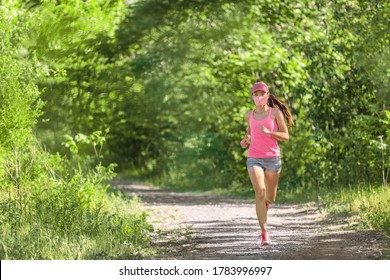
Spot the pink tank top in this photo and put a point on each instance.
(261, 144)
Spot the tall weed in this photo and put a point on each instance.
(55, 212)
(370, 204)
(375, 209)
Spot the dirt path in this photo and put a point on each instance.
(198, 226)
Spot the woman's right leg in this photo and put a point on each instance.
(256, 175)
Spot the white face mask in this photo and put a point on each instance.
(260, 100)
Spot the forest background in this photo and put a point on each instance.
(156, 90)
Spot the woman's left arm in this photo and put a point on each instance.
(282, 133)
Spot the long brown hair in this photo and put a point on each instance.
(273, 101)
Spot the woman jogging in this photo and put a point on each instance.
(266, 126)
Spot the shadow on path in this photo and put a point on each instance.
(216, 227)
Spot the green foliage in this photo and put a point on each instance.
(347, 110)
(20, 105)
(171, 80)
(199, 68)
(74, 46)
(375, 210)
(371, 205)
(52, 207)
(55, 212)
(96, 140)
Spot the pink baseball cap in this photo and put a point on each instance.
(260, 86)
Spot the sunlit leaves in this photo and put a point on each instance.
(163, 73)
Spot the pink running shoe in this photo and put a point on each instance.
(265, 240)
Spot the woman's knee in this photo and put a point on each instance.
(260, 193)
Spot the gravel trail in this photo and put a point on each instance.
(194, 226)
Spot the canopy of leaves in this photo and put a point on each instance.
(171, 79)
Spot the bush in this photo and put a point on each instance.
(375, 209)
(52, 207)
(60, 213)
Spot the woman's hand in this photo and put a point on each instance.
(244, 142)
(263, 129)
(278, 135)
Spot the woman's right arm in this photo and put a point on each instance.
(245, 140)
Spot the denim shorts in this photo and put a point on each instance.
(268, 164)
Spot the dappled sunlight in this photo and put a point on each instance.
(202, 226)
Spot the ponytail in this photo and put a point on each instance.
(273, 101)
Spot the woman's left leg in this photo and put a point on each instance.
(271, 185)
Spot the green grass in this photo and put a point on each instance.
(117, 229)
(51, 210)
(371, 205)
